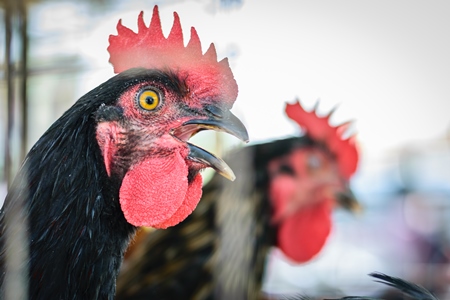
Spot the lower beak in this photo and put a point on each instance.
(202, 156)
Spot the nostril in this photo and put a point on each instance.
(216, 111)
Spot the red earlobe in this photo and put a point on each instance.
(106, 138)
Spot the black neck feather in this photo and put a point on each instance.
(74, 227)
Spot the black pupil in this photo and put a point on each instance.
(149, 100)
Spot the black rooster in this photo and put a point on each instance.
(284, 197)
(117, 159)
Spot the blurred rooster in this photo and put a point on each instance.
(284, 197)
(117, 159)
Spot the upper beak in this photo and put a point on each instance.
(218, 120)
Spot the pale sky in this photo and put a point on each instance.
(384, 63)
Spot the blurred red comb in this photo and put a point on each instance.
(148, 48)
(319, 129)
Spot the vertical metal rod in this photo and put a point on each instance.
(9, 92)
(15, 284)
(23, 15)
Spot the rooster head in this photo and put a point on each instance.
(308, 182)
(167, 94)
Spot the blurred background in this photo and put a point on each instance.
(385, 64)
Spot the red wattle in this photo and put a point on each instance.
(193, 195)
(159, 198)
(302, 235)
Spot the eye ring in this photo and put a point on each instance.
(149, 98)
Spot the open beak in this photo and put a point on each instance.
(218, 121)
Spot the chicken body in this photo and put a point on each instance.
(74, 219)
(117, 159)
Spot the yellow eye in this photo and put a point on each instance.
(148, 99)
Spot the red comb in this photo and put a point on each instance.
(319, 129)
(148, 48)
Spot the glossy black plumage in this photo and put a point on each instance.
(76, 229)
